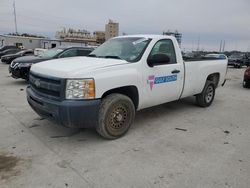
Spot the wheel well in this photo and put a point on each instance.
(215, 77)
(130, 91)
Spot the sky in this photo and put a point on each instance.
(206, 21)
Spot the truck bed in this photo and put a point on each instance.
(196, 73)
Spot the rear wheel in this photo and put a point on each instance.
(206, 97)
(116, 115)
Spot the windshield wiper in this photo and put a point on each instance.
(107, 56)
(91, 55)
(112, 57)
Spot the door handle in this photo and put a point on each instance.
(175, 71)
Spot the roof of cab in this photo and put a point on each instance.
(149, 36)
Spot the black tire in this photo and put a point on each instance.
(206, 97)
(246, 84)
(117, 113)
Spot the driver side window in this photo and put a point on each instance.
(164, 47)
(69, 53)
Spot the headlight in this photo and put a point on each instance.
(14, 64)
(24, 64)
(80, 89)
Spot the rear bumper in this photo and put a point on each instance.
(73, 114)
(223, 83)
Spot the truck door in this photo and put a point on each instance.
(164, 76)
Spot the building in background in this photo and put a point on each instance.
(111, 30)
(34, 42)
(99, 36)
(58, 43)
(76, 36)
(176, 34)
(21, 41)
(72, 33)
(64, 38)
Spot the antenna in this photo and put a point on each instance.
(14, 6)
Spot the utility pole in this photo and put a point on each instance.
(14, 6)
(198, 45)
(220, 45)
(224, 45)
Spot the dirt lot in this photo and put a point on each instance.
(209, 148)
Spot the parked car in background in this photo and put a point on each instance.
(236, 60)
(246, 60)
(3, 48)
(217, 56)
(246, 80)
(9, 58)
(39, 51)
(9, 51)
(20, 67)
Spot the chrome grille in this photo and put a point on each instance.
(48, 87)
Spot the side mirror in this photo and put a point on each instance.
(158, 59)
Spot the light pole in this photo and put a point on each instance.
(14, 6)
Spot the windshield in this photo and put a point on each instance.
(20, 53)
(129, 48)
(50, 53)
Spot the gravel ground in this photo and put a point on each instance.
(174, 145)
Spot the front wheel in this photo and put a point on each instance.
(206, 97)
(116, 115)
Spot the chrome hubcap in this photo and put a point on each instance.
(209, 94)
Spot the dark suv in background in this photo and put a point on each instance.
(20, 67)
(9, 58)
(9, 51)
(239, 60)
(3, 48)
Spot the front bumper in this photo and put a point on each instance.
(7, 61)
(3, 60)
(73, 114)
(17, 72)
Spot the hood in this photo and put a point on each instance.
(29, 59)
(74, 67)
(10, 56)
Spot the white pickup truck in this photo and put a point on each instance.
(122, 76)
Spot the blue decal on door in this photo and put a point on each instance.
(152, 80)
